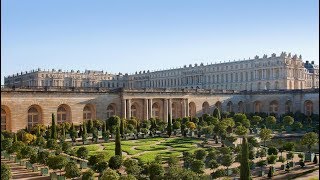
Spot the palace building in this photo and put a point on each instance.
(276, 84)
(276, 72)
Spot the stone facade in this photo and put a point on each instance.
(275, 72)
(25, 107)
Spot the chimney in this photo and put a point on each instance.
(312, 62)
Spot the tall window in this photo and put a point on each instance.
(33, 117)
(308, 105)
(61, 115)
(155, 110)
(205, 108)
(87, 113)
(133, 111)
(288, 107)
(240, 107)
(3, 120)
(257, 106)
(218, 105)
(229, 107)
(274, 106)
(111, 111)
(192, 109)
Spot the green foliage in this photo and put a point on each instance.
(82, 153)
(90, 126)
(132, 167)
(309, 139)
(96, 159)
(200, 154)
(100, 166)
(52, 144)
(272, 151)
(169, 128)
(118, 150)
(261, 163)
(6, 143)
(173, 161)
(5, 172)
(289, 146)
(43, 157)
(113, 121)
(110, 174)
(72, 170)
(244, 164)
(290, 155)
(272, 159)
(256, 120)
(176, 125)
(66, 147)
(40, 141)
(218, 173)
(241, 130)
(271, 121)
(115, 162)
(207, 130)
(53, 128)
(210, 120)
(197, 166)
(88, 175)
(227, 160)
(216, 113)
(213, 164)
(26, 152)
(122, 125)
(265, 135)
(98, 124)
(84, 132)
(288, 120)
(315, 160)
(57, 162)
(156, 171)
(16, 147)
(33, 158)
(73, 133)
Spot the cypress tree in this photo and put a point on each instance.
(84, 133)
(244, 165)
(63, 132)
(73, 133)
(118, 150)
(38, 131)
(90, 126)
(53, 128)
(80, 131)
(15, 139)
(122, 127)
(216, 113)
(105, 135)
(169, 128)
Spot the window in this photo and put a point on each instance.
(61, 115)
(229, 107)
(155, 110)
(33, 117)
(87, 113)
(274, 106)
(308, 105)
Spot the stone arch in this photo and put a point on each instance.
(136, 111)
(230, 106)
(5, 118)
(63, 113)
(240, 107)
(155, 110)
(274, 107)
(111, 110)
(268, 85)
(288, 106)
(205, 108)
(218, 105)
(192, 109)
(34, 116)
(89, 112)
(257, 106)
(308, 107)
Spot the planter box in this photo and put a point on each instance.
(83, 164)
(61, 177)
(228, 172)
(53, 176)
(44, 171)
(28, 165)
(309, 157)
(22, 162)
(35, 168)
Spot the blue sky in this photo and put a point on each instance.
(128, 36)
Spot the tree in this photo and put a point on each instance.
(95, 136)
(197, 166)
(16, 147)
(113, 121)
(272, 159)
(270, 173)
(265, 135)
(28, 138)
(315, 159)
(191, 125)
(98, 124)
(288, 120)
(115, 162)
(176, 125)
(15, 139)
(241, 130)
(271, 121)
(156, 171)
(244, 165)
(6, 143)
(100, 166)
(132, 167)
(110, 174)
(227, 160)
(169, 128)
(72, 170)
(26, 152)
(218, 173)
(57, 162)
(272, 151)
(173, 161)
(90, 126)
(95, 159)
(309, 140)
(43, 157)
(66, 147)
(88, 175)
(5, 172)
(105, 134)
(118, 150)
(73, 133)
(63, 133)
(53, 128)
(256, 120)
(289, 146)
(82, 153)
(216, 113)
(200, 154)
(122, 125)
(84, 133)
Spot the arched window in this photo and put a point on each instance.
(174, 108)
(229, 107)
(240, 107)
(308, 106)
(218, 105)
(87, 113)
(3, 120)
(33, 117)
(62, 114)
(274, 106)
(288, 107)
(111, 110)
(205, 108)
(155, 110)
(133, 111)
(192, 109)
(257, 107)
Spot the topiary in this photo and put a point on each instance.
(115, 162)
(88, 175)
(5, 172)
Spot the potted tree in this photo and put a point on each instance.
(309, 140)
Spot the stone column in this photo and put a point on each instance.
(146, 109)
(124, 108)
(150, 109)
(183, 108)
(170, 109)
(165, 110)
(129, 108)
(187, 107)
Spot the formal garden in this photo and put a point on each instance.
(220, 145)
